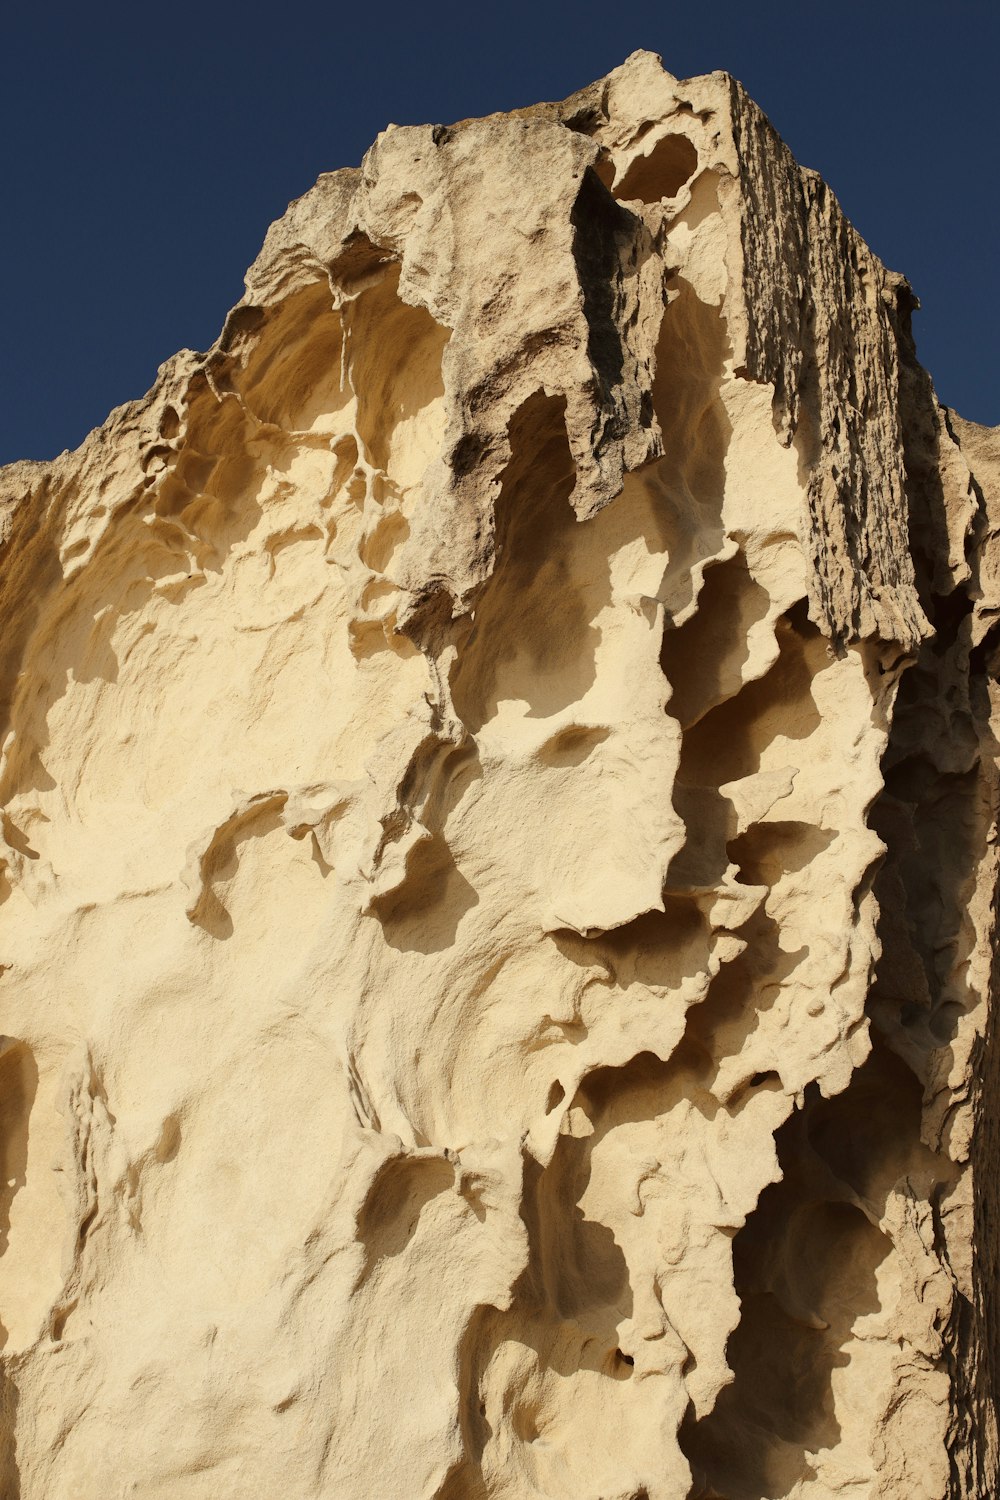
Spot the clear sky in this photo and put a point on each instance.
(145, 148)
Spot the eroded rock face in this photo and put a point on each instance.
(500, 856)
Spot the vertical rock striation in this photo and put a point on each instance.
(499, 856)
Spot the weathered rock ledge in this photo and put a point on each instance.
(499, 856)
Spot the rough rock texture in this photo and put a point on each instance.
(500, 856)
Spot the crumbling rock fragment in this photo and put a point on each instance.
(500, 856)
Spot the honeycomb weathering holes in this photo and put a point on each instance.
(497, 870)
(661, 172)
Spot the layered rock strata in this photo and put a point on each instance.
(500, 856)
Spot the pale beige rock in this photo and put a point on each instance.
(499, 815)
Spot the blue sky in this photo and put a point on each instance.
(144, 150)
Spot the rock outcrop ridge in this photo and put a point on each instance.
(499, 856)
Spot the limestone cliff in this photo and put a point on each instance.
(500, 856)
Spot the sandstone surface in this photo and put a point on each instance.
(499, 856)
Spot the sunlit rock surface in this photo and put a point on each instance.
(499, 856)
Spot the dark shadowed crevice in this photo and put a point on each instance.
(18, 1085)
(662, 172)
(398, 1195)
(600, 227)
(531, 637)
(704, 656)
(806, 1271)
(10, 1474)
(727, 743)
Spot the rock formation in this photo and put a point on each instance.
(500, 856)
